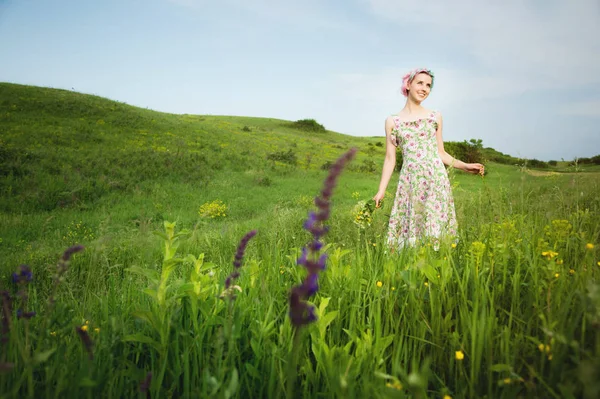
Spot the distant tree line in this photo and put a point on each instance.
(468, 151)
(595, 160)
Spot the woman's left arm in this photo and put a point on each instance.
(448, 159)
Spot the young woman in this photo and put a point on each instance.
(423, 209)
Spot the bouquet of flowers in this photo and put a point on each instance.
(363, 213)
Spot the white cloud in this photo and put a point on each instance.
(543, 41)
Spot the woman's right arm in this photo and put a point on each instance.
(390, 160)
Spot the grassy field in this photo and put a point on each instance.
(160, 203)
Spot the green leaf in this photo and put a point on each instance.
(324, 322)
(323, 305)
(150, 292)
(256, 348)
(144, 339)
(379, 374)
(430, 272)
(253, 371)
(43, 356)
(233, 384)
(383, 343)
(501, 367)
(266, 330)
(152, 275)
(184, 289)
(87, 382)
(161, 235)
(145, 315)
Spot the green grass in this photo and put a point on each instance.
(82, 169)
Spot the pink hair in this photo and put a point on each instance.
(406, 79)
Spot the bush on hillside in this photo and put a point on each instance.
(326, 165)
(595, 160)
(536, 163)
(289, 157)
(368, 166)
(309, 125)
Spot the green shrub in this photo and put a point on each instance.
(536, 163)
(289, 157)
(309, 125)
(368, 166)
(327, 165)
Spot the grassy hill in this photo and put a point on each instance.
(502, 314)
(67, 157)
(61, 148)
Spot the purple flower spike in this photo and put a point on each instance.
(301, 313)
(302, 258)
(311, 285)
(237, 264)
(70, 251)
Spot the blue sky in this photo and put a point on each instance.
(523, 75)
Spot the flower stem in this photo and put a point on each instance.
(293, 361)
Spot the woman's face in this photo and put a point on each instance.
(420, 87)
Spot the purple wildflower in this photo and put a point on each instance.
(23, 275)
(70, 251)
(6, 315)
(24, 315)
(237, 264)
(145, 384)
(62, 267)
(301, 313)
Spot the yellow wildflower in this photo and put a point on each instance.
(84, 327)
(393, 288)
(426, 284)
(507, 381)
(396, 385)
(453, 245)
(459, 355)
(447, 397)
(549, 254)
(556, 275)
(589, 245)
(544, 348)
(379, 284)
(571, 271)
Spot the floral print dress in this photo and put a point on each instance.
(423, 209)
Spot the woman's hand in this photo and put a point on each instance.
(378, 198)
(474, 168)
